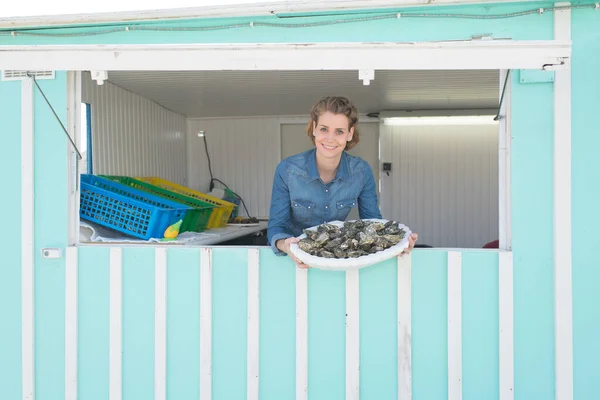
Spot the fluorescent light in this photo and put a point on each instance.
(446, 120)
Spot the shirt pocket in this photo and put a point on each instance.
(303, 210)
(346, 205)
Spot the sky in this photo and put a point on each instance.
(58, 7)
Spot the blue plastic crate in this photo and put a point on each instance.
(127, 210)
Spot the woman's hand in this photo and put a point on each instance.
(284, 245)
(412, 239)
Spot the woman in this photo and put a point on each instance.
(324, 183)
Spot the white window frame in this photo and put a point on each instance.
(460, 55)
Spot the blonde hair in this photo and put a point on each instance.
(335, 105)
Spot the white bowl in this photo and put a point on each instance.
(345, 264)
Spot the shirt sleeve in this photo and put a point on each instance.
(367, 200)
(279, 213)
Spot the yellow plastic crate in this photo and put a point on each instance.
(221, 212)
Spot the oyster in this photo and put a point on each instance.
(366, 239)
(326, 254)
(352, 240)
(321, 239)
(339, 253)
(311, 234)
(306, 245)
(335, 243)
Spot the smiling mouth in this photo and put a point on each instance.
(329, 147)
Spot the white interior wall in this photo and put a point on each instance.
(244, 153)
(444, 182)
(132, 135)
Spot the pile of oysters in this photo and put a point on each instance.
(352, 240)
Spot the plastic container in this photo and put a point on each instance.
(232, 198)
(127, 210)
(195, 220)
(221, 212)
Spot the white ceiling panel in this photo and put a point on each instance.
(253, 93)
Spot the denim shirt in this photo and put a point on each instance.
(300, 199)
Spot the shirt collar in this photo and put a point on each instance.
(343, 171)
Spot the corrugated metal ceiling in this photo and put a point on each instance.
(254, 93)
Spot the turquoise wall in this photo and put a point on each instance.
(586, 189)
(532, 191)
(277, 326)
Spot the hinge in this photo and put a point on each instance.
(562, 64)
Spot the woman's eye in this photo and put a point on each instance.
(323, 129)
(340, 132)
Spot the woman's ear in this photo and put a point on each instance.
(351, 134)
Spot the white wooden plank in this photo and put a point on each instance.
(160, 323)
(454, 326)
(563, 285)
(467, 55)
(301, 334)
(27, 231)
(504, 167)
(71, 265)
(253, 323)
(405, 327)
(352, 335)
(206, 324)
(116, 324)
(506, 324)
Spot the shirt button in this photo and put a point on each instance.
(327, 190)
(325, 206)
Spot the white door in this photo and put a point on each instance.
(294, 140)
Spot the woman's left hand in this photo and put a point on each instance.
(412, 239)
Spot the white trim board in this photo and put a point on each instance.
(563, 282)
(465, 55)
(27, 231)
(504, 166)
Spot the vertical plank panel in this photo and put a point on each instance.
(28, 348)
(404, 327)
(51, 202)
(95, 301)
(301, 333)
(563, 257)
(585, 172)
(71, 267)
(116, 324)
(326, 334)
(352, 335)
(480, 325)
(235, 141)
(532, 229)
(277, 338)
(378, 331)
(506, 326)
(430, 324)
(133, 134)
(183, 323)
(252, 346)
(138, 322)
(454, 325)
(160, 324)
(10, 273)
(206, 323)
(230, 323)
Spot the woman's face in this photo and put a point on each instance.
(331, 134)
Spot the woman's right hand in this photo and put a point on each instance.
(284, 245)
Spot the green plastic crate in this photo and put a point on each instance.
(195, 219)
